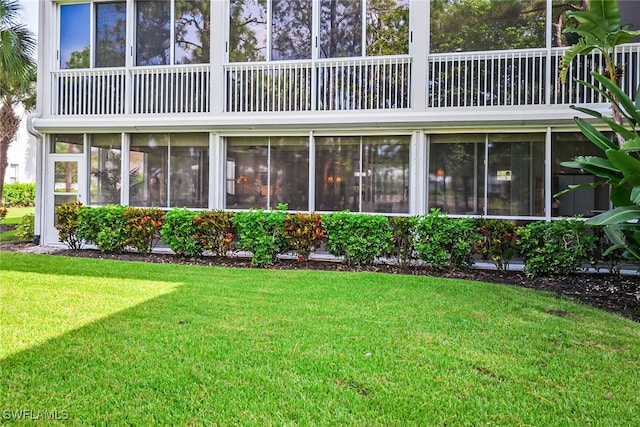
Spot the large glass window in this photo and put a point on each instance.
(469, 25)
(586, 201)
(291, 29)
(515, 175)
(110, 34)
(511, 184)
(75, 40)
(264, 172)
(105, 179)
(247, 30)
(456, 174)
(386, 26)
(189, 42)
(369, 174)
(192, 32)
(169, 170)
(189, 167)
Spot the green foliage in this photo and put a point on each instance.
(142, 228)
(442, 242)
(555, 248)
(402, 229)
(599, 28)
(67, 224)
(620, 168)
(103, 226)
(179, 232)
(214, 231)
(359, 238)
(261, 233)
(25, 230)
(19, 195)
(499, 241)
(303, 233)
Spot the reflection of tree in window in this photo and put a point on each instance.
(291, 29)
(153, 32)
(192, 31)
(247, 30)
(74, 36)
(472, 25)
(340, 28)
(387, 27)
(111, 26)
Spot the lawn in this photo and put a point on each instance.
(14, 216)
(109, 342)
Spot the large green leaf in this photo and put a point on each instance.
(609, 12)
(581, 186)
(620, 195)
(597, 166)
(635, 195)
(626, 105)
(625, 163)
(594, 135)
(616, 216)
(619, 239)
(631, 145)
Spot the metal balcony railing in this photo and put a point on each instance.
(527, 77)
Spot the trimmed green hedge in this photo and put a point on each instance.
(19, 195)
(548, 248)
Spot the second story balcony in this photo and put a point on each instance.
(522, 78)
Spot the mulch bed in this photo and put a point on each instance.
(618, 294)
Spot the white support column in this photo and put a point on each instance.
(312, 172)
(124, 169)
(217, 171)
(419, 50)
(218, 56)
(418, 179)
(548, 164)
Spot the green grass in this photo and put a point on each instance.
(14, 216)
(107, 342)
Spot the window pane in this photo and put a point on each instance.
(111, 28)
(385, 174)
(289, 172)
(338, 174)
(148, 170)
(456, 174)
(67, 144)
(105, 180)
(291, 29)
(516, 175)
(192, 32)
(74, 36)
(247, 30)
(189, 170)
(587, 201)
(65, 177)
(340, 28)
(487, 25)
(387, 27)
(247, 173)
(153, 31)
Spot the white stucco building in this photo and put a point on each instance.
(381, 106)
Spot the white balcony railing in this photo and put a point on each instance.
(527, 77)
(343, 84)
(521, 77)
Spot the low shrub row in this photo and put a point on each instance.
(19, 195)
(547, 248)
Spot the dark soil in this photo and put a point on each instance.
(618, 294)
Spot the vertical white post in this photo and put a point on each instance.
(312, 172)
(217, 171)
(418, 179)
(124, 169)
(419, 14)
(548, 164)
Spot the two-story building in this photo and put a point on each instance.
(380, 106)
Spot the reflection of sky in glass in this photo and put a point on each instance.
(190, 35)
(110, 34)
(74, 30)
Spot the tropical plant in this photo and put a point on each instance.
(17, 75)
(599, 29)
(179, 232)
